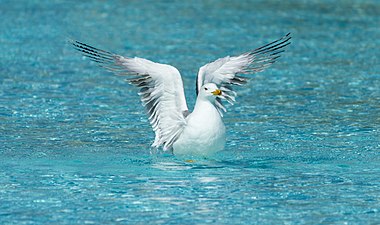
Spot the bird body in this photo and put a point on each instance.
(204, 133)
(201, 132)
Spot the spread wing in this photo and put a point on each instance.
(225, 72)
(161, 90)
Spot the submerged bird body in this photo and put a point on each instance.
(201, 132)
(204, 133)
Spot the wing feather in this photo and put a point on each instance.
(161, 90)
(225, 72)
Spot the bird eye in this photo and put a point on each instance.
(206, 89)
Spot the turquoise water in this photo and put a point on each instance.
(303, 140)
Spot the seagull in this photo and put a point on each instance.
(201, 132)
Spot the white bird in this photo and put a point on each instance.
(201, 132)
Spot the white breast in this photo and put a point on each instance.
(204, 133)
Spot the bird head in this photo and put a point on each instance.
(210, 91)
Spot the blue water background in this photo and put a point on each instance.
(303, 140)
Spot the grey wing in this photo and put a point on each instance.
(226, 72)
(161, 90)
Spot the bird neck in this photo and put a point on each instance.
(204, 104)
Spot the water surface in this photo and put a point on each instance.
(303, 140)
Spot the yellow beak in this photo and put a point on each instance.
(217, 92)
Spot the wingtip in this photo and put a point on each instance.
(288, 36)
(71, 40)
